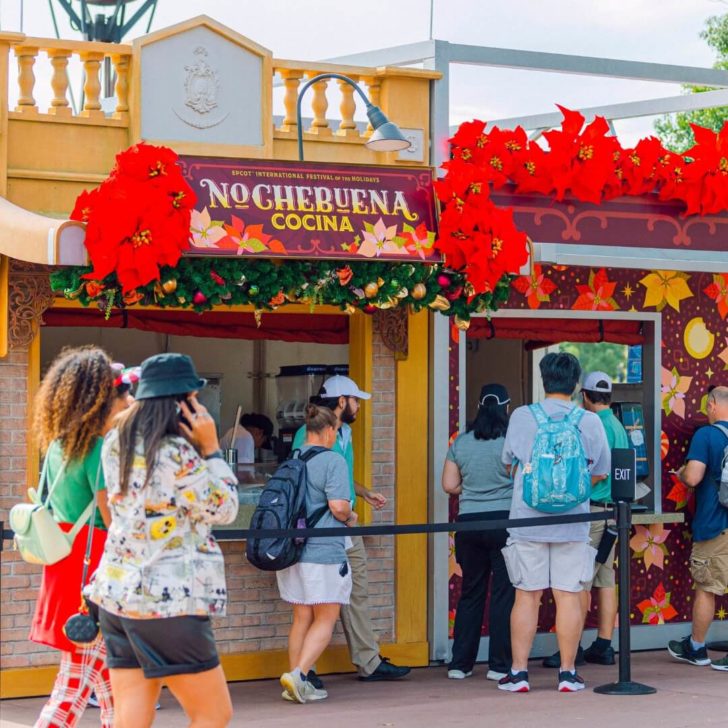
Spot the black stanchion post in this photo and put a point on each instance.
(623, 509)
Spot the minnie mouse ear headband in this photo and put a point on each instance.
(124, 377)
(494, 394)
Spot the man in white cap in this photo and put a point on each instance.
(596, 395)
(342, 395)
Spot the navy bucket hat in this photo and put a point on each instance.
(164, 375)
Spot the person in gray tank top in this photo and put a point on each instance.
(475, 473)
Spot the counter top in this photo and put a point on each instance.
(644, 519)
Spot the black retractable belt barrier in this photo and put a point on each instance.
(624, 686)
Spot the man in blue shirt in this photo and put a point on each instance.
(342, 395)
(709, 557)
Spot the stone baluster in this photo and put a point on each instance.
(59, 83)
(26, 56)
(374, 86)
(291, 81)
(121, 89)
(347, 127)
(92, 84)
(319, 106)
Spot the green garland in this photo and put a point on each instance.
(201, 283)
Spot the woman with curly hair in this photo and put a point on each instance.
(76, 404)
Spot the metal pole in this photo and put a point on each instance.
(624, 686)
(304, 88)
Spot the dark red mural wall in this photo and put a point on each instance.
(694, 308)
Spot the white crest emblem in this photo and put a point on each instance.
(202, 84)
(202, 87)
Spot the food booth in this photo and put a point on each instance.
(332, 263)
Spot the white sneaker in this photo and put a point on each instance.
(293, 685)
(93, 701)
(495, 675)
(311, 694)
(458, 674)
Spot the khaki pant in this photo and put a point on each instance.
(360, 636)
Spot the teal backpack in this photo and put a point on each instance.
(557, 478)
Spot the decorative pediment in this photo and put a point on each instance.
(198, 86)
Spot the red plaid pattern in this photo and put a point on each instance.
(79, 674)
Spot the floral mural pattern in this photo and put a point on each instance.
(694, 308)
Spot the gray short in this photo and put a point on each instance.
(533, 565)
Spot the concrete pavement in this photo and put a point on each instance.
(687, 697)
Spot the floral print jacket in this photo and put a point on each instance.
(161, 559)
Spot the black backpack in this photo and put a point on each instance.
(283, 505)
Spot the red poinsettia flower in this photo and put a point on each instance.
(532, 170)
(597, 295)
(536, 287)
(673, 183)
(718, 291)
(146, 162)
(469, 140)
(637, 168)
(462, 180)
(582, 161)
(657, 608)
(709, 169)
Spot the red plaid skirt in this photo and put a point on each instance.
(60, 590)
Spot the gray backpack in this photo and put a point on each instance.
(723, 482)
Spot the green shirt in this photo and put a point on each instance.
(343, 446)
(75, 489)
(617, 438)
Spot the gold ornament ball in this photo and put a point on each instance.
(169, 286)
(371, 289)
(419, 291)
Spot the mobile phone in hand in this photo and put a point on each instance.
(185, 398)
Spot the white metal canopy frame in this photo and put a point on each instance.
(439, 55)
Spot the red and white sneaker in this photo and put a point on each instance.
(515, 682)
(570, 682)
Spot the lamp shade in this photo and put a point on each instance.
(387, 138)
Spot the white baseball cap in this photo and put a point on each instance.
(597, 382)
(340, 386)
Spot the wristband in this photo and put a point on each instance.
(217, 455)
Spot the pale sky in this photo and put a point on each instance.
(665, 31)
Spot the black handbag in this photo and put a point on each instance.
(83, 628)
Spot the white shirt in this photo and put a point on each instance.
(244, 444)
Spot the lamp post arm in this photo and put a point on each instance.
(304, 88)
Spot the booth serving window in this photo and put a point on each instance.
(508, 347)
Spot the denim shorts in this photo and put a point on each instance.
(160, 647)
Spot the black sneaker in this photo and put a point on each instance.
(515, 683)
(386, 671)
(570, 682)
(599, 657)
(683, 650)
(555, 659)
(315, 680)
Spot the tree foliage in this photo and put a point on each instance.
(603, 357)
(674, 129)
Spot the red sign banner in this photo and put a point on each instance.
(270, 209)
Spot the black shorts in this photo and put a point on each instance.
(160, 647)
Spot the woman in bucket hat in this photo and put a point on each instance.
(162, 575)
